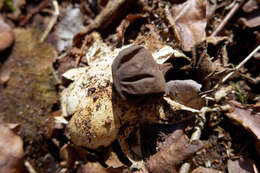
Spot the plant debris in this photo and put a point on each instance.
(6, 35)
(11, 149)
(127, 86)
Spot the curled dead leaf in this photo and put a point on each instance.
(168, 158)
(250, 6)
(6, 35)
(251, 20)
(92, 168)
(190, 22)
(247, 118)
(130, 18)
(185, 92)
(205, 170)
(11, 151)
(244, 165)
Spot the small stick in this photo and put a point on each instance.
(228, 17)
(104, 18)
(201, 119)
(241, 64)
(29, 167)
(52, 21)
(177, 106)
(171, 22)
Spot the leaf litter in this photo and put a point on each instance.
(143, 86)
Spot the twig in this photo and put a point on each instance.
(228, 17)
(171, 22)
(82, 49)
(177, 106)
(29, 167)
(104, 18)
(201, 119)
(52, 21)
(241, 64)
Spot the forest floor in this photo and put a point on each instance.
(206, 54)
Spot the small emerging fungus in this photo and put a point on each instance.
(97, 111)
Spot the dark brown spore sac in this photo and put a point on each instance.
(137, 75)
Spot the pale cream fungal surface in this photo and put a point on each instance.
(95, 118)
(99, 116)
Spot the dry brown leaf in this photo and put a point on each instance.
(6, 35)
(130, 18)
(215, 40)
(113, 160)
(250, 6)
(168, 158)
(51, 127)
(185, 92)
(68, 155)
(205, 170)
(242, 165)
(190, 23)
(202, 65)
(252, 17)
(247, 118)
(11, 151)
(92, 168)
(251, 20)
(211, 8)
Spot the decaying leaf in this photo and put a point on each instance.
(174, 153)
(92, 168)
(11, 151)
(247, 118)
(211, 8)
(69, 25)
(222, 93)
(203, 66)
(68, 155)
(244, 165)
(130, 18)
(185, 92)
(190, 23)
(6, 35)
(205, 170)
(105, 18)
(164, 54)
(113, 160)
(250, 6)
(251, 20)
(135, 74)
(54, 125)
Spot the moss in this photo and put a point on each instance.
(30, 92)
(241, 94)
